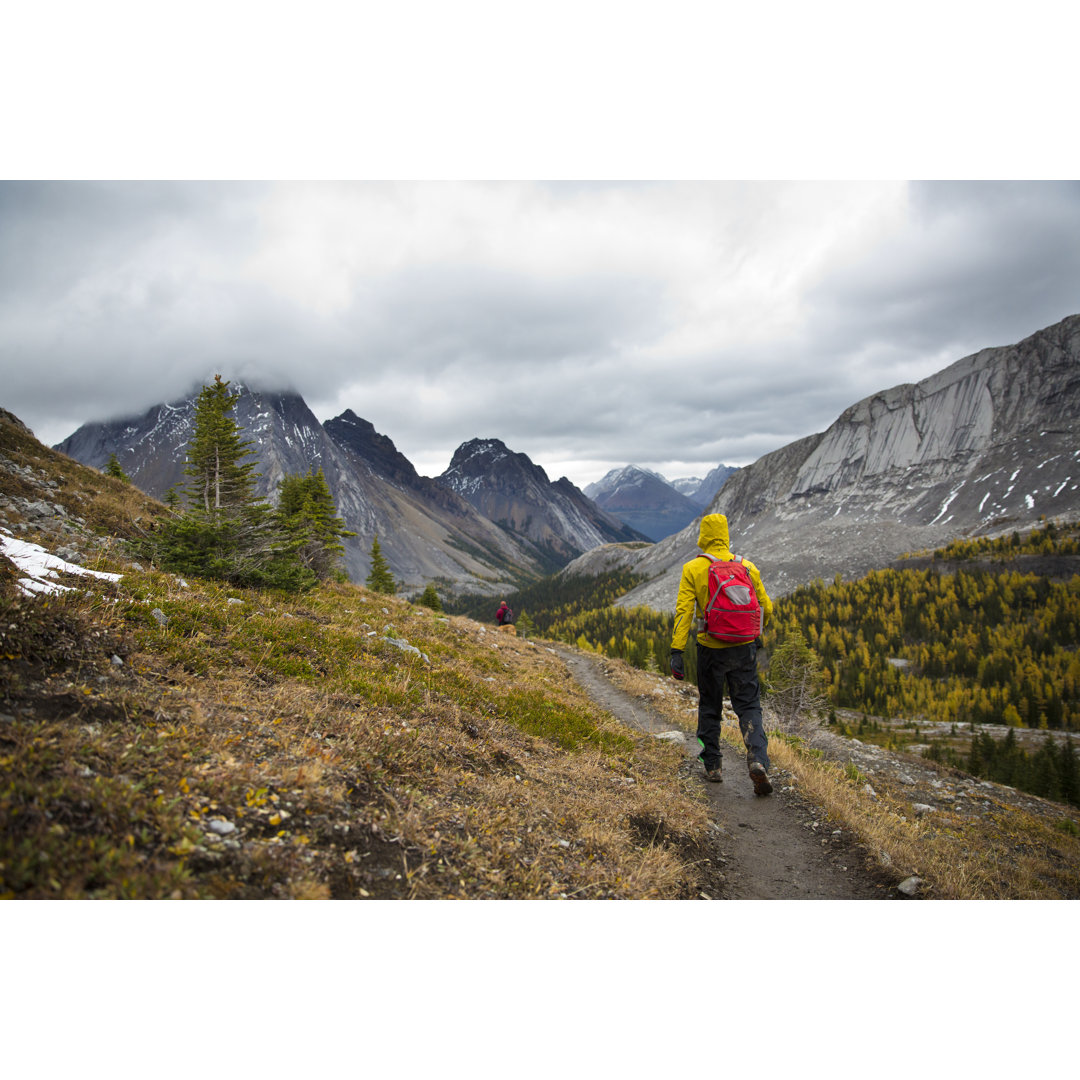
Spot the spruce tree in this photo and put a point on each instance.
(430, 599)
(222, 483)
(112, 468)
(1068, 774)
(380, 579)
(224, 532)
(307, 520)
(795, 684)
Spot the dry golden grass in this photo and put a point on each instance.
(347, 767)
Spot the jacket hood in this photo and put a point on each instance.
(713, 537)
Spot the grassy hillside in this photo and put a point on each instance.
(162, 737)
(257, 745)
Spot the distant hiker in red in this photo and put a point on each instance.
(733, 606)
(504, 615)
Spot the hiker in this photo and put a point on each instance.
(504, 616)
(732, 662)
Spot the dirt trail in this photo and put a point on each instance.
(775, 848)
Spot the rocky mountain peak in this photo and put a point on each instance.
(359, 436)
(626, 477)
(490, 461)
(644, 500)
(555, 518)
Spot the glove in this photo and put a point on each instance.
(676, 663)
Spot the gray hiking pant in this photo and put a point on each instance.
(735, 669)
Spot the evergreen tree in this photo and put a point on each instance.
(795, 684)
(307, 519)
(525, 625)
(222, 483)
(430, 599)
(380, 579)
(1068, 775)
(1044, 779)
(224, 532)
(113, 469)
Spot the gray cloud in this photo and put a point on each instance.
(587, 325)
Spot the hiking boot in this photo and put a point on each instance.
(761, 779)
(714, 775)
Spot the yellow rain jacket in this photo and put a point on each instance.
(694, 584)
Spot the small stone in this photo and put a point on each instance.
(910, 886)
(234, 600)
(870, 791)
(221, 826)
(116, 661)
(162, 618)
(922, 809)
(905, 779)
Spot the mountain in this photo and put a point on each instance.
(644, 500)
(984, 447)
(706, 490)
(684, 485)
(425, 532)
(554, 520)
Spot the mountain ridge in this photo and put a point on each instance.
(902, 470)
(425, 532)
(428, 530)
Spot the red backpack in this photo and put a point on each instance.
(732, 614)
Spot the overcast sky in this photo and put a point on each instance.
(673, 325)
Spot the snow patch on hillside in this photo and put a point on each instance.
(42, 568)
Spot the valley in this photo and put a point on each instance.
(167, 734)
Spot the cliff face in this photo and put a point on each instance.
(988, 445)
(940, 429)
